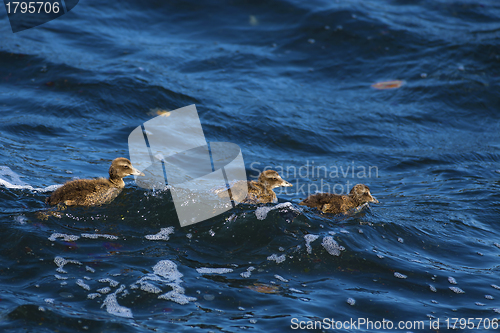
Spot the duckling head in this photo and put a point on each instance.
(121, 167)
(361, 193)
(272, 179)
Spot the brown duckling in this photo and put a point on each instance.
(338, 204)
(260, 191)
(92, 192)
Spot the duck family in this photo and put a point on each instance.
(93, 192)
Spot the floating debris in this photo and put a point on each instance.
(159, 112)
(264, 288)
(388, 84)
(432, 288)
(400, 276)
(351, 301)
(452, 280)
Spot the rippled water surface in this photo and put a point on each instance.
(290, 83)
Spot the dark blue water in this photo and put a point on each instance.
(290, 83)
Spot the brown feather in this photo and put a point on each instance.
(91, 192)
(339, 204)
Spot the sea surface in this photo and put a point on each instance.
(291, 83)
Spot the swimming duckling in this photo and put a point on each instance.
(92, 192)
(260, 191)
(337, 204)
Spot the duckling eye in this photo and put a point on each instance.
(126, 166)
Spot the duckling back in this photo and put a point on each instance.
(85, 192)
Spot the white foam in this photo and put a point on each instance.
(61, 262)
(112, 307)
(12, 180)
(89, 269)
(351, 301)
(59, 277)
(248, 272)
(21, 219)
(112, 282)
(95, 236)
(296, 291)
(432, 288)
(104, 290)
(309, 239)
(150, 288)
(495, 286)
(206, 270)
(489, 297)
(49, 300)
(165, 271)
(400, 276)
(331, 246)
(262, 212)
(82, 284)
(164, 234)
(177, 295)
(65, 237)
(452, 280)
(278, 259)
(279, 277)
(457, 290)
(93, 295)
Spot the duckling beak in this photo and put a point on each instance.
(374, 200)
(284, 183)
(136, 172)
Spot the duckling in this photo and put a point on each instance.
(92, 192)
(260, 191)
(339, 204)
